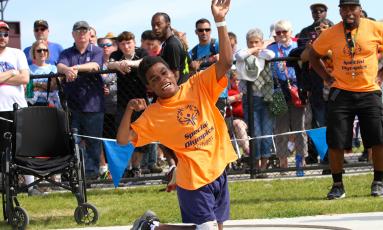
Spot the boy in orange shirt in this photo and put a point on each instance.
(185, 119)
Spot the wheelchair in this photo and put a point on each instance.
(41, 144)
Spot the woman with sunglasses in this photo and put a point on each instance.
(285, 78)
(37, 88)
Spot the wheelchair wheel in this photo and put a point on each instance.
(86, 214)
(20, 218)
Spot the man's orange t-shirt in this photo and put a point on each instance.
(357, 74)
(190, 124)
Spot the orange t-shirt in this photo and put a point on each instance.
(190, 124)
(364, 66)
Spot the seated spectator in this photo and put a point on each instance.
(235, 112)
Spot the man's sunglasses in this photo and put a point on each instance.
(204, 29)
(40, 29)
(319, 11)
(105, 45)
(281, 32)
(4, 34)
(42, 50)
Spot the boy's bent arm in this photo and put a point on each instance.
(125, 133)
(219, 10)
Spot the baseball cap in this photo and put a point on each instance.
(40, 23)
(318, 4)
(349, 2)
(4, 25)
(80, 24)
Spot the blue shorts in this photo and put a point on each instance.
(208, 203)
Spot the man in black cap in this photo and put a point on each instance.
(354, 43)
(84, 92)
(41, 32)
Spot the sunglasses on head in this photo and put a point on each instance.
(40, 29)
(42, 50)
(4, 34)
(281, 32)
(319, 28)
(204, 29)
(105, 45)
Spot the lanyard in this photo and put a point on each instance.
(351, 44)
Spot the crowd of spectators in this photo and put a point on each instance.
(97, 101)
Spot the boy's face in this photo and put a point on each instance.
(161, 81)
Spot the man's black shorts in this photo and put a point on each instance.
(343, 106)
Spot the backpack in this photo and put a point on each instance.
(212, 50)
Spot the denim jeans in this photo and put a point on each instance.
(89, 124)
(263, 125)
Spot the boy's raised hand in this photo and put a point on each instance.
(137, 104)
(219, 9)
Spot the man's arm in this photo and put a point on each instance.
(318, 66)
(15, 77)
(219, 10)
(125, 133)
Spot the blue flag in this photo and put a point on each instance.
(118, 157)
(318, 136)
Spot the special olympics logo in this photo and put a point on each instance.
(347, 51)
(187, 115)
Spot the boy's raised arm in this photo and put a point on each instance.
(219, 9)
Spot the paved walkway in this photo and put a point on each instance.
(356, 221)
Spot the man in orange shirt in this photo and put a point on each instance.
(354, 43)
(185, 119)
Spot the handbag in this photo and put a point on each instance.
(297, 102)
(278, 105)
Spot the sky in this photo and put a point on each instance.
(135, 15)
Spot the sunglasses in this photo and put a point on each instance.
(105, 45)
(281, 32)
(40, 29)
(350, 41)
(204, 29)
(4, 34)
(81, 31)
(319, 28)
(42, 50)
(318, 11)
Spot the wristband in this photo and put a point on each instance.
(220, 24)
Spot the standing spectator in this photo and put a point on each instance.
(308, 34)
(311, 81)
(150, 43)
(129, 85)
(262, 90)
(93, 36)
(14, 73)
(39, 54)
(108, 45)
(294, 119)
(171, 51)
(205, 53)
(233, 42)
(85, 93)
(41, 32)
(354, 90)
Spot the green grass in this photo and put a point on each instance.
(250, 199)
